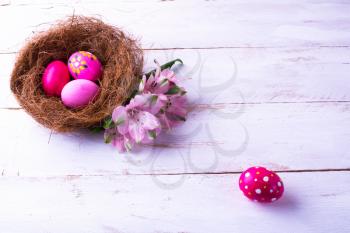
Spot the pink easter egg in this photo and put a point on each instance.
(85, 65)
(260, 184)
(55, 76)
(79, 93)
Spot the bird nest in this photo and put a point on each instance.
(120, 56)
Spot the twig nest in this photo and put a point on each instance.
(120, 56)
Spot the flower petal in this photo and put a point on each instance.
(151, 136)
(142, 83)
(166, 124)
(119, 143)
(123, 128)
(162, 87)
(178, 105)
(120, 118)
(148, 120)
(158, 69)
(109, 135)
(137, 102)
(169, 74)
(136, 130)
(156, 103)
(149, 83)
(119, 115)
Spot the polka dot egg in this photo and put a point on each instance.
(260, 184)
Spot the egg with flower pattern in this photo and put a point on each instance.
(260, 184)
(85, 65)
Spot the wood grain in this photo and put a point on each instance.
(224, 138)
(245, 75)
(175, 24)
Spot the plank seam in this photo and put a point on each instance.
(72, 176)
(227, 47)
(239, 103)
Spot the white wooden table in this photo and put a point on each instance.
(269, 82)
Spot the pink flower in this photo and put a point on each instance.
(148, 102)
(159, 83)
(121, 142)
(133, 120)
(173, 112)
(159, 104)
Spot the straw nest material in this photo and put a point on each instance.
(122, 61)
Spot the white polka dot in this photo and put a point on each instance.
(266, 178)
(255, 179)
(273, 199)
(279, 184)
(76, 64)
(258, 191)
(246, 187)
(247, 174)
(271, 191)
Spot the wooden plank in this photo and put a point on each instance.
(216, 138)
(245, 75)
(176, 24)
(313, 202)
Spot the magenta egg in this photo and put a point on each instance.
(79, 93)
(260, 184)
(55, 76)
(85, 65)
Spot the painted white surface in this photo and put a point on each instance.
(313, 202)
(194, 23)
(269, 86)
(279, 136)
(246, 75)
